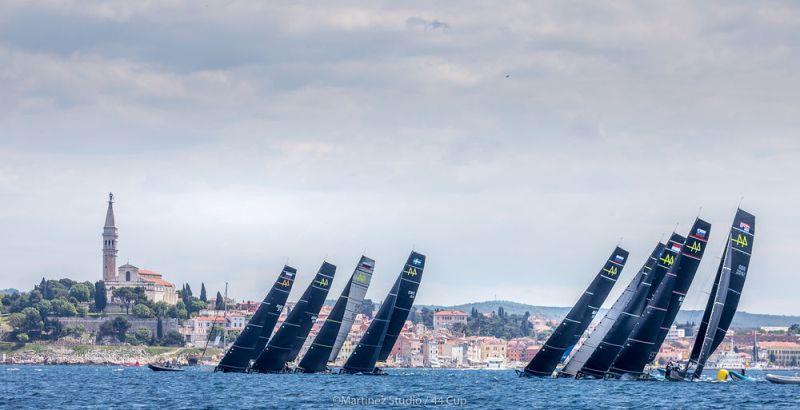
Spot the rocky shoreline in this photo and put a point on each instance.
(94, 355)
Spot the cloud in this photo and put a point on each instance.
(242, 134)
(421, 23)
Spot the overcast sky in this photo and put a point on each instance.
(513, 143)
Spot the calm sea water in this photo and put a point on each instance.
(116, 387)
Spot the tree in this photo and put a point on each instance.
(28, 321)
(367, 307)
(220, 304)
(23, 338)
(62, 308)
(80, 292)
(427, 317)
(142, 311)
(172, 338)
(203, 292)
(115, 327)
(100, 297)
(126, 295)
(196, 305)
(160, 328)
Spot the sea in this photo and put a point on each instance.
(79, 387)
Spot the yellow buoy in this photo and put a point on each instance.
(722, 375)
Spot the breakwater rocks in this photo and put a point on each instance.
(82, 354)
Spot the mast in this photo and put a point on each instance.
(289, 338)
(340, 320)
(578, 319)
(645, 341)
(406, 293)
(733, 267)
(254, 337)
(601, 330)
(225, 317)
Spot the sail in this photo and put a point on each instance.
(248, 344)
(293, 331)
(596, 337)
(365, 355)
(339, 321)
(407, 291)
(734, 265)
(645, 340)
(579, 317)
(701, 331)
(602, 358)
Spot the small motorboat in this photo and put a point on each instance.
(166, 367)
(774, 378)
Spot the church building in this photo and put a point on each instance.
(156, 289)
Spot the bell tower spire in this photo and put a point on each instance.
(110, 243)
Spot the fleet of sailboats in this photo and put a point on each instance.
(623, 343)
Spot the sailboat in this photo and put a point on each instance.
(638, 285)
(645, 340)
(603, 356)
(578, 319)
(289, 338)
(724, 297)
(334, 331)
(254, 337)
(395, 307)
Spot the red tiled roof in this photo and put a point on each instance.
(450, 313)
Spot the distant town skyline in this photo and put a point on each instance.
(512, 143)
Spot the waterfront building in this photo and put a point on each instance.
(492, 347)
(675, 333)
(782, 353)
(156, 289)
(447, 318)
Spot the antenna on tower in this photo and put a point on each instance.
(110, 197)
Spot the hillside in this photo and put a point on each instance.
(741, 320)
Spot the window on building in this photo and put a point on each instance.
(128, 276)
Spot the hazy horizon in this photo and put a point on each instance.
(513, 143)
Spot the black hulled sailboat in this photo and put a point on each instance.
(289, 338)
(578, 319)
(724, 297)
(645, 340)
(375, 341)
(601, 359)
(254, 337)
(636, 289)
(325, 348)
(406, 293)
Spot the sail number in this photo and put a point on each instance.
(612, 271)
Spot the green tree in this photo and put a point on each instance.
(116, 327)
(62, 308)
(126, 295)
(220, 303)
(160, 328)
(427, 317)
(29, 321)
(100, 297)
(203, 292)
(23, 338)
(80, 292)
(172, 338)
(367, 307)
(197, 305)
(142, 311)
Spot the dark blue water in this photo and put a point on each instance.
(114, 387)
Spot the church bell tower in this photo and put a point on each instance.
(110, 243)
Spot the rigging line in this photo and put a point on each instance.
(700, 211)
(741, 198)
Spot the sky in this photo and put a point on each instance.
(514, 143)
